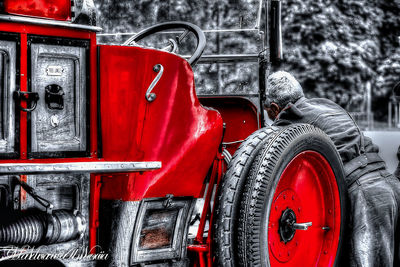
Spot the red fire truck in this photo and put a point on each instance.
(108, 148)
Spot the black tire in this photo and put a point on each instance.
(263, 179)
(229, 196)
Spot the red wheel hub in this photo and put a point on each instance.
(306, 192)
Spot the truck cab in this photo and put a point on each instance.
(139, 156)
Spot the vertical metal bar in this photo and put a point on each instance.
(398, 115)
(369, 109)
(390, 114)
(95, 184)
(275, 33)
(206, 208)
(262, 76)
(258, 22)
(93, 96)
(263, 65)
(201, 260)
(220, 172)
(24, 88)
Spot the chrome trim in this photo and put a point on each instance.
(227, 58)
(149, 95)
(48, 22)
(259, 14)
(227, 156)
(302, 226)
(78, 167)
(173, 32)
(229, 95)
(233, 142)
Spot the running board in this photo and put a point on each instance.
(78, 167)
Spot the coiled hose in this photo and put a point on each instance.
(42, 228)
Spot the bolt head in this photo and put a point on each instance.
(156, 68)
(151, 97)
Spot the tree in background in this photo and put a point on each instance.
(335, 48)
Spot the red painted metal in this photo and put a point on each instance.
(174, 129)
(95, 185)
(52, 9)
(200, 250)
(239, 115)
(23, 88)
(203, 246)
(308, 187)
(207, 202)
(221, 171)
(93, 97)
(45, 30)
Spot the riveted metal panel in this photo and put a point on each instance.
(59, 128)
(9, 70)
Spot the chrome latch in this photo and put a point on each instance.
(158, 68)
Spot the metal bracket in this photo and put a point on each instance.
(167, 202)
(42, 201)
(30, 97)
(149, 95)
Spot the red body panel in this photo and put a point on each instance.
(174, 129)
(53, 9)
(239, 115)
(24, 30)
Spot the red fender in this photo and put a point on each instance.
(174, 129)
(240, 116)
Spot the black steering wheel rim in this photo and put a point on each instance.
(200, 37)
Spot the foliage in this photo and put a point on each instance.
(336, 47)
(333, 47)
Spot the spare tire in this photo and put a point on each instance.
(296, 181)
(229, 197)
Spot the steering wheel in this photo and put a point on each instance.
(189, 27)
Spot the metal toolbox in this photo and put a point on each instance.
(58, 73)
